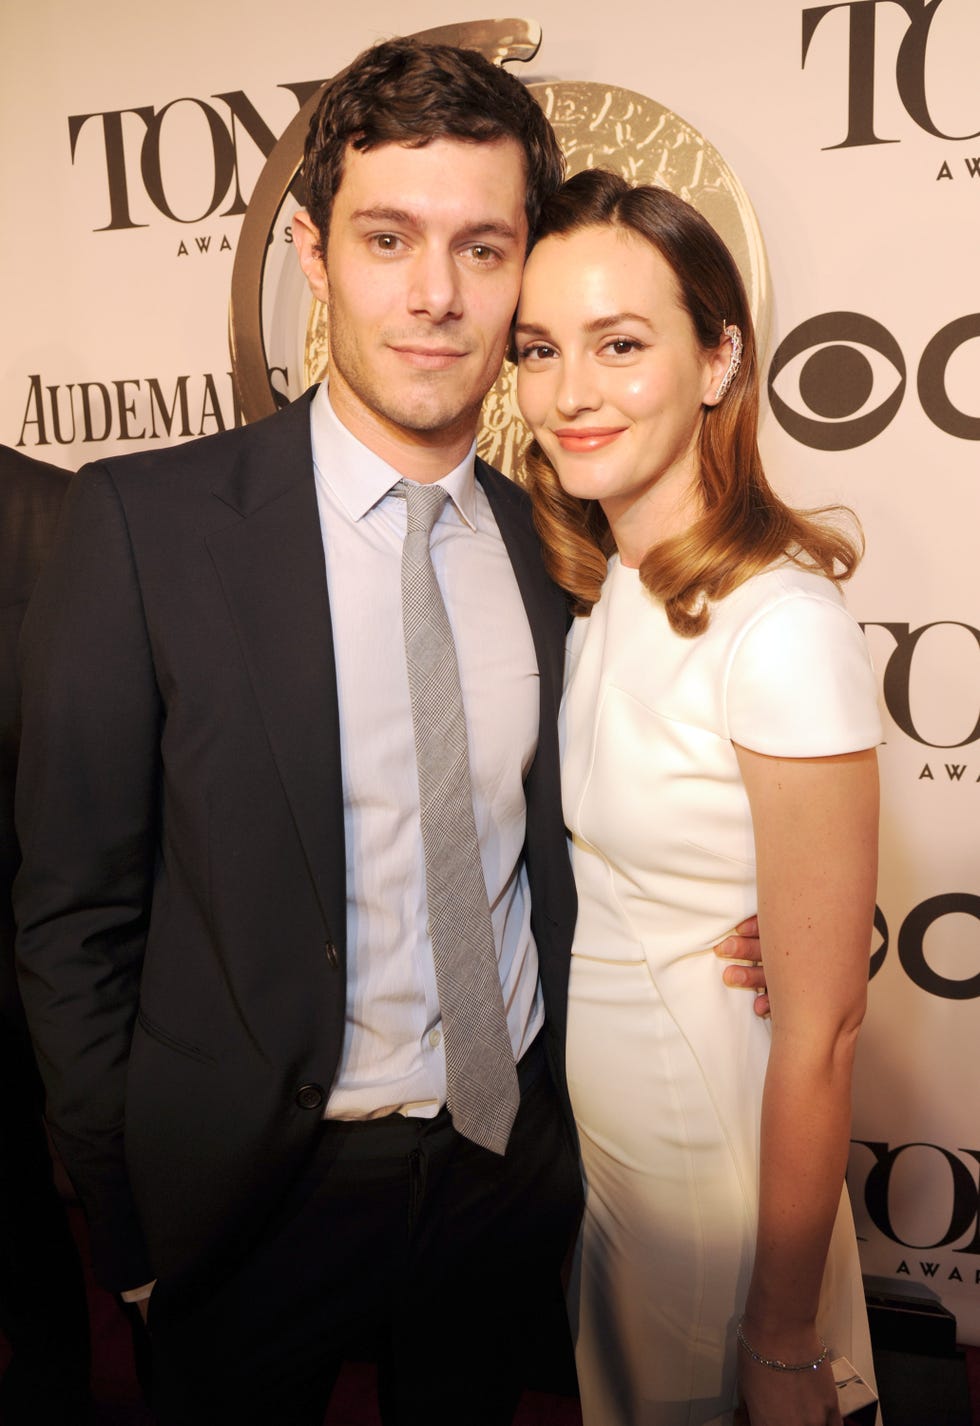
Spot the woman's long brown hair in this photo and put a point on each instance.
(743, 526)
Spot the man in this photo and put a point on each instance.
(42, 1296)
(236, 943)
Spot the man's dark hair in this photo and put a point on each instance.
(404, 92)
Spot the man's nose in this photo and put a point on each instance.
(434, 289)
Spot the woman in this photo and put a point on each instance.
(720, 721)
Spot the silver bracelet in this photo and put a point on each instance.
(774, 1363)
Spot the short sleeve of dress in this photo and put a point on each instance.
(801, 682)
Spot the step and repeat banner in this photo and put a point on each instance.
(838, 148)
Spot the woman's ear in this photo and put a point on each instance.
(723, 364)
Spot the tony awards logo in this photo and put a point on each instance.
(274, 325)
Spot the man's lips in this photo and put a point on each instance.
(587, 438)
(428, 358)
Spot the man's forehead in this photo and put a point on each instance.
(410, 177)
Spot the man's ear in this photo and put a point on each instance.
(306, 240)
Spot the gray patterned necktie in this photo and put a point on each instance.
(481, 1078)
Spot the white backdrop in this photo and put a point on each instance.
(128, 135)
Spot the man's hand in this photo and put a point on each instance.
(744, 945)
(139, 1297)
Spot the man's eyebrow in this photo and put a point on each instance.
(490, 228)
(385, 215)
(482, 228)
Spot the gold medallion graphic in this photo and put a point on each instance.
(275, 325)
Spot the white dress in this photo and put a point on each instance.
(666, 1065)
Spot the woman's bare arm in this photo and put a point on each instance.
(816, 832)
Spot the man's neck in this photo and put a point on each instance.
(421, 456)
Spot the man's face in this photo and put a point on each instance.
(422, 262)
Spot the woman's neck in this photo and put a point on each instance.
(667, 509)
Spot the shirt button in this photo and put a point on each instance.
(333, 960)
(435, 1038)
(310, 1096)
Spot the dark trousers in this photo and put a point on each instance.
(403, 1240)
(43, 1310)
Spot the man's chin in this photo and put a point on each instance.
(430, 407)
(444, 418)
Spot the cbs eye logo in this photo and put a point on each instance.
(849, 372)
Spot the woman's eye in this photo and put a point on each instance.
(622, 346)
(536, 351)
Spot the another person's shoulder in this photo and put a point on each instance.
(25, 476)
(31, 497)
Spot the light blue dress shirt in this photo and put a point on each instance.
(393, 1057)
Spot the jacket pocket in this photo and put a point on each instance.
(164, 1037)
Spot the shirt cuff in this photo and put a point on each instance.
(138, 1294)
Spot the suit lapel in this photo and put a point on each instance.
(271, 567)
(543, 603)
(545, 852)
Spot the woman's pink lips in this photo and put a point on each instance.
(587, 439)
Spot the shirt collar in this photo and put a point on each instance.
(359, 479)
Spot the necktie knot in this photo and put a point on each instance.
(424, 503)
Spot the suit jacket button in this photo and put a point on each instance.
(310, 1096)
(333, 960)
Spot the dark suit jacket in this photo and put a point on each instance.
(43, 1312)
(31, 493)
(182, 901)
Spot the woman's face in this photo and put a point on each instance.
(611, 378)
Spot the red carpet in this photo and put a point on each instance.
(119, 1403)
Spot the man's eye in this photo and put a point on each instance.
(386, 242)
(481, 253)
